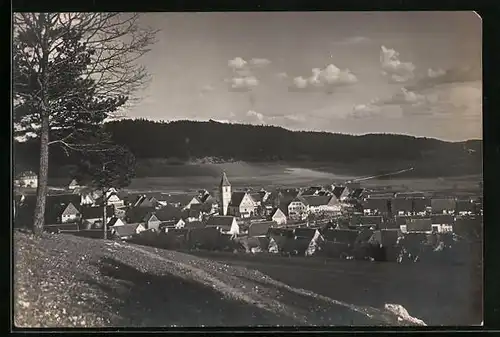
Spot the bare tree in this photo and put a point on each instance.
(72, 71)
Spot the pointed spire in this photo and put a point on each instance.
(224, 181)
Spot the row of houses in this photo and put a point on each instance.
(420, 206)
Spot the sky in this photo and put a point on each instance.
(416, 73)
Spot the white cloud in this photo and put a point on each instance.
(255, 117)
(328, 77)
(435, 73)
(243, 83)
(282, 75)
(392, 66)
(300, 82)
(260, 62)
(237, 63)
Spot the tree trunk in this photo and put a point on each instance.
(41, 192)
(104, 220)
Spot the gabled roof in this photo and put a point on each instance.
(402, 204)
(377, 204)
(237, 198)
(259, 228)
(89, 212)
(356, 193)
(386, 238)
(304, 233)
(277, 211)
(371, 220)
(272, 231)
(421, 204)
(338, 190)
(257, 197)
(422, 224)
(113, 221)
(224, 182)
(340, 235)
(440, 205)
(169, 212)
(136, 214)
(27, 174)
(223, 221)
(316, 200)
(442, 219)
(74, 183)
(70, 210)
(464, 206)
(126, 229)
(401, 220)
(194, 224)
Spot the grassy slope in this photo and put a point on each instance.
(64, 281)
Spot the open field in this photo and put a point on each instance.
(438, 294)
(192, 177)
(67, 281)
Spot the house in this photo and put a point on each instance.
(375, 221)
(169, 213)
(144, 202)
(225, 224)
(465, 207)
(204, 238)
(27, 179)
(259, 228)
(297, 209)
(151, 221)
(94, 215)
(443, 206)
(194, 225)
(202, 197)
(165, 226)
(87, 198)
(337, 242)
(127, 231)
(418, 225)
(340, 192)
(442, 223)
(192, 214)
(376, 206)
(402, 206)
(308, 234)
(278, 216)
(70, 214)
(421, 206)
(356, 193)
(137, 214)
(385, 245)
(288, 244)
(114, 221)
(74, 185)
(318, 203)
(114, 199)
(241, 205)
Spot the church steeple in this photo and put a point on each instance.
(224, 181)
(225, 194)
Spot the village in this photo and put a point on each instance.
(348, 221)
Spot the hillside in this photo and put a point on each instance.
(68, 281)
(182, 142)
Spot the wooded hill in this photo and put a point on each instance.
(188, 140)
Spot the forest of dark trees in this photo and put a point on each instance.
(187, 140)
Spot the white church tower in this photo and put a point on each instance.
(225, 194)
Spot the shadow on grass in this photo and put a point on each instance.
(143, 299)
